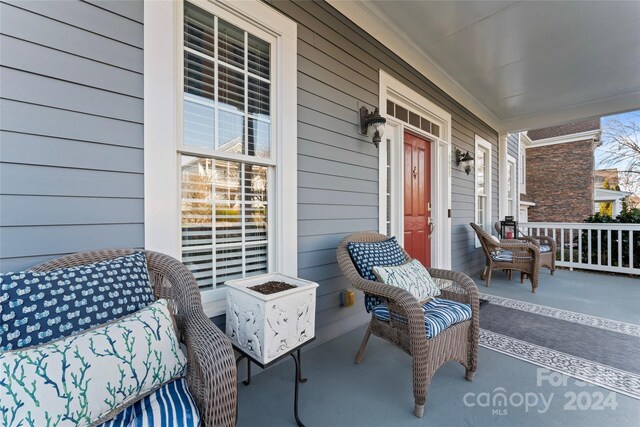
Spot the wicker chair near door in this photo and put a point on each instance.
(458, 342)
(509, 254)
(546, 244)
(211, 369)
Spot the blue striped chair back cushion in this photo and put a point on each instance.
(171, 405)
(439, 314)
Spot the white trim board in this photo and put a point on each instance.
(563, 139)
(488, 179)
(163, 124)
(515, 197)
(605, 195)
(397, 92)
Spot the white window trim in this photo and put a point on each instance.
(486, 145)
(394, 90)
(523, 141)
(163, 123)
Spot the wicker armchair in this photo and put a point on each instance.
(459, 342)
(523, 255)
(211, 369)
(547, 257)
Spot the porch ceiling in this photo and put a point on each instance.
(517, 64)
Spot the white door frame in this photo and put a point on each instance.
(395, 91)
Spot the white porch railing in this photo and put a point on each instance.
(601, 247)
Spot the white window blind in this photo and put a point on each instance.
(227, 86)
(226, 150)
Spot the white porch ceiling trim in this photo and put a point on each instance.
(613, 105)
(369, 18)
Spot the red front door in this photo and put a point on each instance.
(417, 198)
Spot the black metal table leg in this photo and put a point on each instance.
(237, 364)
(248, 380)
(297, 379)
(300, 379)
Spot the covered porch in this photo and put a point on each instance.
(230, 137)
(377, 392)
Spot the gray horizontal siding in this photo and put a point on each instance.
(512, 145)
(133, 10)
(23, 211)
(46, 121)
(338, 71)
(71, 164)
(40, 60)
(42, 30)
(89, 18)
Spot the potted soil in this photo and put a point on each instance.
(270, 314)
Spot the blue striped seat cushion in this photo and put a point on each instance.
(171, 405)
(439, 314)
(502, 256)
(545, 248)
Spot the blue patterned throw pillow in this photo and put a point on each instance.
(367, 255)
(38, 307)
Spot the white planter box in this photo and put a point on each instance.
(267, 326)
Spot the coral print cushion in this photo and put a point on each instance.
(412, 277)
(91, 376)
(38, 307)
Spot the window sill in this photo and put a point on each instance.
(214, 302)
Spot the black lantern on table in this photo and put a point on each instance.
(508, 228)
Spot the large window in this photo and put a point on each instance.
(483, 184)
(226, 150)
(220, 140)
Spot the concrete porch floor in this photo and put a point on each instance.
(378, 391)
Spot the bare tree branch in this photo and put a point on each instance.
(621, 149)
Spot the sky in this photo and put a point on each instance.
(630, 116)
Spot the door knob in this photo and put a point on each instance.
(415, 172)
(431, 226)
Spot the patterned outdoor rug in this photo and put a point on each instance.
(599, 351)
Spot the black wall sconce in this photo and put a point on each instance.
(464, 159)
(373, 120)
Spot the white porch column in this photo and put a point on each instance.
(502, 176)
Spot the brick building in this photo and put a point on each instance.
(560, 171)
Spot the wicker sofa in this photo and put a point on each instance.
(458, 342)
(211, 369)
